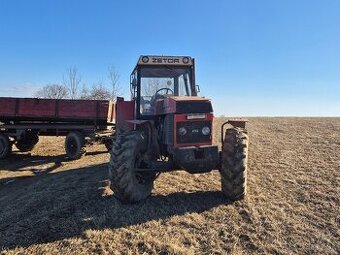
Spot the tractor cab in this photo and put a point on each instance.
(157, 78)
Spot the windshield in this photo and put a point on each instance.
(160, 82)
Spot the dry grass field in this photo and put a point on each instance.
(49, 205)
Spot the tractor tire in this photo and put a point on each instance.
(108, 145)
(128, 185)
(28, 143)
(234, 163)
(74, 145)
(5, 146)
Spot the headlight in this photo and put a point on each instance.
(185, 60)
(206, 131)
(145, 59)
(182, 131)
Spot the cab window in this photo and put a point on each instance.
(160, 82)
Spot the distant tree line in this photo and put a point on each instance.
(71, 87)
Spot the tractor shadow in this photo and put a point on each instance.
(65, 204)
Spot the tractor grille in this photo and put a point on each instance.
(194, 132)
(193, 107)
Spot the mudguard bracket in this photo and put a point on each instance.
(240, 123)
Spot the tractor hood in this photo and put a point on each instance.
(184, 104)
(185, 98)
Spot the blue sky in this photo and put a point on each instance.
(254, 58)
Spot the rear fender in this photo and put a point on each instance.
(147, 127)
(125, 111)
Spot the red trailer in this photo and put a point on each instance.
(23, 120)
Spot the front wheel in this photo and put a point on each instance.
(74, 145)
(127, 154)
(108, 145)
(234, 163)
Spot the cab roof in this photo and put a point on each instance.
(165, 60)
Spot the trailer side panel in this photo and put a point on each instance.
(56, 110)
(42, 108)
(7, 107)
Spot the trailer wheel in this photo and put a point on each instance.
(5, 146)
(74, 145)
(234, 163)
(127, 152)
(28, 143)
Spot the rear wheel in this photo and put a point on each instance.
(234, 163)
(108, 144)
(5, 146)
(28, 142)
(127, 154)
(74, 145)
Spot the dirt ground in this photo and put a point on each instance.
(49, 205)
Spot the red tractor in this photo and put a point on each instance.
(166, 126)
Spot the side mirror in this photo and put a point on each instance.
(133, 86)
(134, 82)
(198, 88)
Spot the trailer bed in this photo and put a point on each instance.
(82, 122)
(56, 110)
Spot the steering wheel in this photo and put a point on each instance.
(158, 95)
(166, 91)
